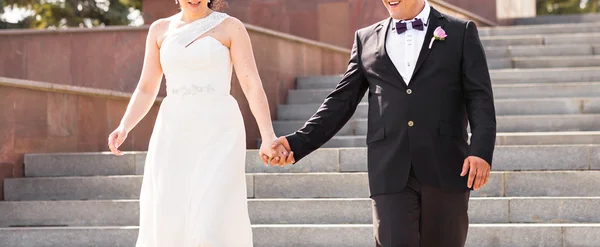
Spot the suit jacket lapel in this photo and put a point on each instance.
(382, 33)
(434, 22)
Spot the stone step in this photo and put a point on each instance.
(525, 138)
(318, 82)
(501, 91)
(303, 185)
(502, 76)
(111, 236)
(545, 39)
(555, 62)
(546, 90)
(353, 185)
(540, 29)
(356, 235)
(543, 62)
(545, 75)
(488, 235)
(504, 107)
(300, 211)
(84, 164)
(550, 157)
(541, 50)
(532, 123)
(554, 19)
(500, 63)
(513, 40)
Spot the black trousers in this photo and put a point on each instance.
(421, 216)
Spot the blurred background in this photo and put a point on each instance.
(93, 13)
(68, 68)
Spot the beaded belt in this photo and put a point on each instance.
(191, 90)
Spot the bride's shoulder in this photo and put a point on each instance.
(233, 24)
(160, 26)
(229, 20)
(165, 22)
(158, 30)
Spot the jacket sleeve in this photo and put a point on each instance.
(479, 99)
(336, 110)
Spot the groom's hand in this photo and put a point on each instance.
(282, 143)
(478, 170)
(281, 154)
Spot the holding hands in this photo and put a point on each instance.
(276, 152)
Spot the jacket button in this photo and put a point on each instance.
(411, 123)
(408, 91)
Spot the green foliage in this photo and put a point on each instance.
(562, 7)
(72, 13)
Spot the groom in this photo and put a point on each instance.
(424, 85)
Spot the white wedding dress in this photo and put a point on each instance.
(194, 187)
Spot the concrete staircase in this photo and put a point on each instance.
(544, 190)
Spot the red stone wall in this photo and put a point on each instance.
(49, 121)
(89, 58)
(329, 21)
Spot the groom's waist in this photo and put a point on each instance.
(436, 164)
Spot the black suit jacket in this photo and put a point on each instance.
(424, 124)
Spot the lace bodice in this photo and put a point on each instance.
(193, 65)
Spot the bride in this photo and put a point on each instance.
(194, 186)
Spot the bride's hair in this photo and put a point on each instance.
(217, 4)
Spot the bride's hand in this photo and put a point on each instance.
(268, 154)
(283, 148)
(115, 139)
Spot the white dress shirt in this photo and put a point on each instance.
(403, 49)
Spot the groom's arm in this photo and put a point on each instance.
(478, 96)
(336, 110)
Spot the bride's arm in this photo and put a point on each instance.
(145, 94)
(247, 73)
(148, 86)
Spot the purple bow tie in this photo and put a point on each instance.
(417, 24)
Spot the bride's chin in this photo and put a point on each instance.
(195, 6)
(195, 9)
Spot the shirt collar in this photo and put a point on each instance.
(424, 15)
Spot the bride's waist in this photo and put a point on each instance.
(204, 90)
(200, 112)
(201, 99)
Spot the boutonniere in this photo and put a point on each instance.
(438, 34)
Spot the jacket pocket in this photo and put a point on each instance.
(376, 134)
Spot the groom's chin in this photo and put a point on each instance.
(399, 8)
(393, 6)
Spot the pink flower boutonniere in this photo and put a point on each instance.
(438, 34)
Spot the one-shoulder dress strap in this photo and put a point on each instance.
(192, 31)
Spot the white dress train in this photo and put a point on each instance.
(194, 187)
